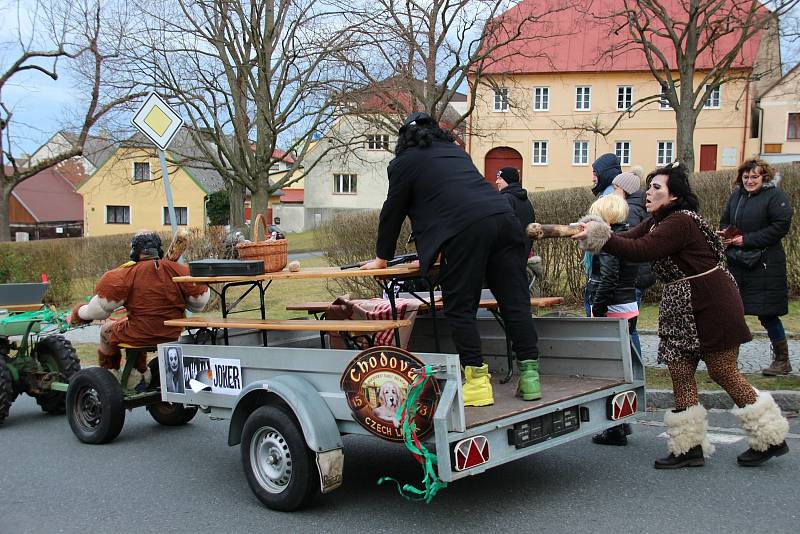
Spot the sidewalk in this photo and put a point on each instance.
(753, 356)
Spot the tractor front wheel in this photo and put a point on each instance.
(95, 409)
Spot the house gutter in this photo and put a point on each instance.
(746, 124)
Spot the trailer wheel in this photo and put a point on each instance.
(55, 354)
(95, 409)
(172, 413)
(279, 466)
(6, 390)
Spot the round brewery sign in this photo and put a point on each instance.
(375, 385)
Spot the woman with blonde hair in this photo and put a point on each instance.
(612, 288)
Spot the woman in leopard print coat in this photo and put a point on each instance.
(700, 318)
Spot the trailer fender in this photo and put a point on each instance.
(315, 418)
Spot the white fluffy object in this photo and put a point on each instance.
(688, 429)
(763, 422)
(598, 233)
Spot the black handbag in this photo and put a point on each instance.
(747, 258)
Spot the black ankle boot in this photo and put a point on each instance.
(752, 458)
(692, 458)
(613, 436)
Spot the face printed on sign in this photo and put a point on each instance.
(173, 360)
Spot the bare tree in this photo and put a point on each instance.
(67, 36)
(419, 55)
(693, 47)
(254, 80)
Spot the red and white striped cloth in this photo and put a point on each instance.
(380, 309)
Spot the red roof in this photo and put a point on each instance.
(572, 40)
(49, 196)
(283, 156)
(292, 196)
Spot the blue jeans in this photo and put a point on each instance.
(634, 332)
(774, 327)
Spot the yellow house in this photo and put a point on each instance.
(779, 108)
(550, 107)
(126, 192)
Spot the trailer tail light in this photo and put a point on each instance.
(623, 405)
(471, 452)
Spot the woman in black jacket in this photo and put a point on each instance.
(756, 219)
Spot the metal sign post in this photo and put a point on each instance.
(159, 122)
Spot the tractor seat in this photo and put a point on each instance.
(143, 348)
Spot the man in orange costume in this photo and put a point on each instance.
(144, 286)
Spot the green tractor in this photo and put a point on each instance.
(34, 356)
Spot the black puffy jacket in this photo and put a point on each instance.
(764, 217)
(636, 214)
(612, 280)
(521, 204)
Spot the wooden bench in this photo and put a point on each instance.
(349, 330)
(315, 307)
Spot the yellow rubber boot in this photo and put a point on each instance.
(477, 390)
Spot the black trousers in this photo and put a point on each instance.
(492, 248)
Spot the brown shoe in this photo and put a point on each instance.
(780, 364)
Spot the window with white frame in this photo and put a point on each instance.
(713, 100)
(118, 214)
(501, 99)
(141, 171)
(378, 142)
(344, 184)
(275, 167)
(623, 151)
(583, 98)
(665, 153)
(624, 97)
(181, 216)
(540, 152)
(663, 101)
(580, 153)
(541, 99)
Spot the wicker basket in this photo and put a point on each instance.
(275, 253)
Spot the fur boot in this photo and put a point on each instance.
(598, 233)
(688, 439)
(766, 430)
(688, 429)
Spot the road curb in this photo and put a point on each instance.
(660, 399)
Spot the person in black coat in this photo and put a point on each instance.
(508, 184)
(757, 217)
(456, 212)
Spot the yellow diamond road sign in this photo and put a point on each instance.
(157, 121)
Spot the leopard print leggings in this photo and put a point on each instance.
(722, 369)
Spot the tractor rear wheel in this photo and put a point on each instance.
(95, 408)
(6, 390)
(56, 354)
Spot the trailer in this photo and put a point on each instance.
(289, 405)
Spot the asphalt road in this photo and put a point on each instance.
(159, 479)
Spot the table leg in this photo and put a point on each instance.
(509, 353)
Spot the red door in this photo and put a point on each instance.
(500, 157)
(708, 157)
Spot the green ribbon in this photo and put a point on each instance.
(407, 412)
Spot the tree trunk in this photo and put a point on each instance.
(259, 202)
(5, 229)
(236, 199)
(685, 121)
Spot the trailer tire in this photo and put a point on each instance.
(55, 354)
(95, 409)
(171, 413)
(278, 464)
(6, 390)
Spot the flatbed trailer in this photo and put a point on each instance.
(288, 407)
